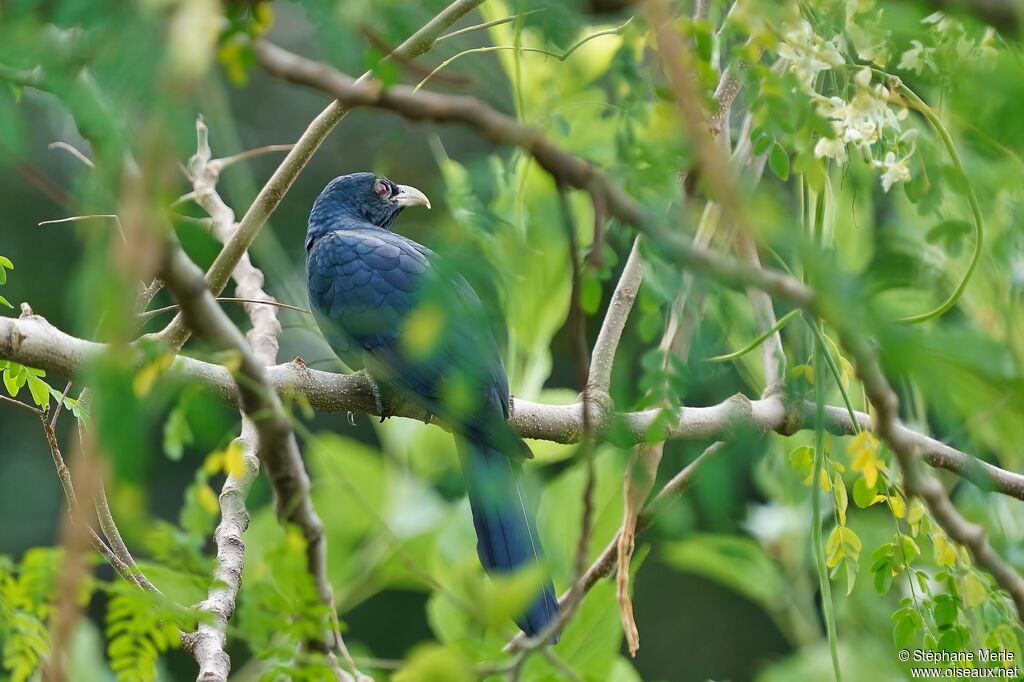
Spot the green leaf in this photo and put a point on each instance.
(736, 562)
(15, 377)
(950, 234)
(842, 501)
(761, 144)
(908, 623)
(5, 302)
(883, 579)
(6, 263)
(951, 640)
(590, 293)
(974, 590)
(40, 391)
(177, 433)
(433, 663)
(778, 161)
(863, 494)
(945, 610)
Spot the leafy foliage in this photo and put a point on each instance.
(891, 143)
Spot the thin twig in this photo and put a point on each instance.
(73, 151)
(487, 24)
(603, 566)
(227, 299)
(217, 165)
(76, 218)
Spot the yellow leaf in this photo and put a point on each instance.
(234, 460)
(974, 590)
(213, 463)
(865, 440)
(842, 501)
(945, 553)
(870, 474)
(823, 479)
(147, 375)
(899, 507)
(232, 57)
(805, 371)
(207, 499)
(834, 547)
(422, 330)
(232, 361)
(851, 540)
(294, 540)
(916, 512)
(263, 18)
(846, 371)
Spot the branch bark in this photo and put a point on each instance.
(276, 445)
(34, 341)
(207, 644)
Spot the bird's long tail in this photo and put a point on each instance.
(506, 535)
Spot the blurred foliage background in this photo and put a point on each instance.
(725, 584)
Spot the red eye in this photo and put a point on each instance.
(382, 189)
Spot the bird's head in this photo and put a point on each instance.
(364, 196)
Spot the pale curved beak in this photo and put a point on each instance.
(410, 196)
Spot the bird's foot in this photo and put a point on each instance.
(351, 418)
(381, 402)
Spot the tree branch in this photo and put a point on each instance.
(567, 168)
(605, 563)
(34, 341)
(276, 445)
(207, 644)
(607, 343)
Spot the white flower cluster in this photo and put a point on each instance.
(808, 53)
(946, 35)
(860, 122)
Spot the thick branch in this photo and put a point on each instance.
(208, 642)
(34, 341)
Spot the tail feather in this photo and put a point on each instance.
(506, 535)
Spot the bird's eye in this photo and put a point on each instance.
(382, 188)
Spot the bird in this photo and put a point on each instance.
(393, 308)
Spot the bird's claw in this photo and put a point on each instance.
(351, 418)
(380, 402)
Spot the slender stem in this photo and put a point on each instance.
(486, 25)
(834, 368)
(228, 299)
(972, 199)
(758, 340)
(560, 56)
(824, 583)
(30, 408)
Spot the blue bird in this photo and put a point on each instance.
(390, 306)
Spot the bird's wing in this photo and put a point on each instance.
(419, 327)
